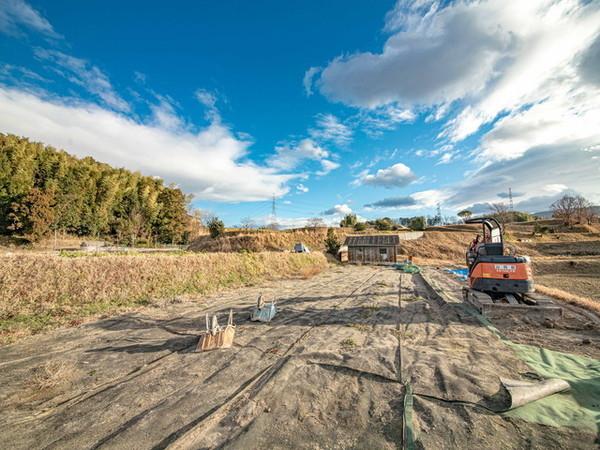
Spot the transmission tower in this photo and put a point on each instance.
(438, 215)
(510, 200)
(273, 224)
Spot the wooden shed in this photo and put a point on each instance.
(374, 249)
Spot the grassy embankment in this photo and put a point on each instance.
(39, 292)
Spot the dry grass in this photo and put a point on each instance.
(51, 375)
(40, 291)
(439, 245)
(583, 302)
(256, 241)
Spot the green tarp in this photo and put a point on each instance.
(578, 407)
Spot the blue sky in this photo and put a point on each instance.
(380, 108)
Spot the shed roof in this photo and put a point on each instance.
(378, 240)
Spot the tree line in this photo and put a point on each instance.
(44, 190)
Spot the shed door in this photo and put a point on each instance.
(358, 254)
(383, 254)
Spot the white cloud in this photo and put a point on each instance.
(398, 175)
(375, 121)
(301, 188)
(209, 101)
(290, 155)
(211, 163)
(84, 74)
(571, 113)
(434, 58)
(330, 128)
(338, 210)
(547, 38)
(493, 56)
(307, 81)
(327, 166)
(17, 14)
(541, 171)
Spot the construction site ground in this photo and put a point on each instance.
(330, 371)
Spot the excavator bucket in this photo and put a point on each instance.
(216, 336)
(262, 312)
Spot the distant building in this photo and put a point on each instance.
(373, 249)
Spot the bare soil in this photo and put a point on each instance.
(328, 372)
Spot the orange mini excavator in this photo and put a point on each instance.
(502, 278)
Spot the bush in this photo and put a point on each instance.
(349, 220)
(417, 223)
(332, 244)
(216, 227)
(360, 226)
(384, 224)
(539, 229)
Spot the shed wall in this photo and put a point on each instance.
(372, 254)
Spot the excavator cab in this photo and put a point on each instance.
(490, 270)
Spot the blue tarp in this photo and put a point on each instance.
(460, 273)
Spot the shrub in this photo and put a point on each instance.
(349, 220)
(384, 224)
(417, 223)
(216, 227)
(360, 226)
(332, 244)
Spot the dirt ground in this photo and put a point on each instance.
(330, 371)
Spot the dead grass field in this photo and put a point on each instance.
(42, 291)
(265, 240)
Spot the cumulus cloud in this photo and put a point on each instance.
(84, 74)
(16, 15)
(435, 57)
(330, 128)
(211, 163)
(338, 210)
(290, 155)
(398, 175)
(301, 188)
(493, 56)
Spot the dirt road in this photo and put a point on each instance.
(330, 371)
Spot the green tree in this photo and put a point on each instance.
(332, 243)
(33, 216)
(86, 197)
(349, 220)
(465, 214)
(216, 227)
(360, 226)
(384, 224)
(417, 223)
